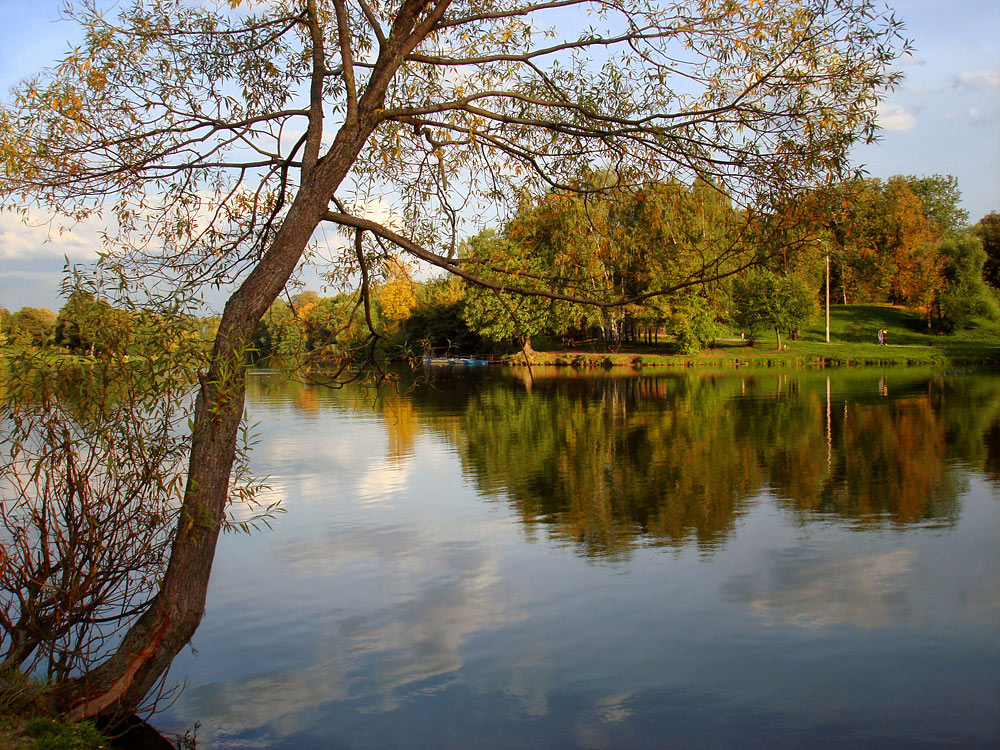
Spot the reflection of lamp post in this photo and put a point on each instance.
(827, 292)
(829, 429)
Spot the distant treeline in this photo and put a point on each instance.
(87, 324)
(688, 264)
(904, 241)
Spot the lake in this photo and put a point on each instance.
(679, 558)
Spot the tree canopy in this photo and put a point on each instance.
(939, 196)
(30, 326)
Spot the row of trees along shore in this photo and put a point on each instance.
(218, 141)
(904, 241)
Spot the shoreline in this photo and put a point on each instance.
(795, 354)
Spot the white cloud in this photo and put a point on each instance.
(975, 114)
(38, 239)
(378, 210)
(894, 117)
(989, 79)
(430, 605)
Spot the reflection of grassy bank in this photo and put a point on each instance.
(852, 341)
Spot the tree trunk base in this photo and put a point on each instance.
(137, 734)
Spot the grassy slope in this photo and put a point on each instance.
(27, 722)
(853, 332)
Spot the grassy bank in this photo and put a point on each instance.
(853, 332)
(27, 721)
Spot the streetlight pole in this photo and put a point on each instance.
(827, 294)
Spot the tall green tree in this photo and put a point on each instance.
(4, 326)
(966, 295)
(940, 198)
(988, 230)
(693, 320)
(32, 326)
(86, 324)
(762, 299)
(671, 234)
(629, 242)
(498, 315)
(174, 116)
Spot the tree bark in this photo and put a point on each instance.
(117, 686)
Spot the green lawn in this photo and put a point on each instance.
(853, 337)
(853, 340)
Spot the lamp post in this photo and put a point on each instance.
(827, 293)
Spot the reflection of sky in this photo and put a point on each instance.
(391, 607)
(413, 637)
(811, 590)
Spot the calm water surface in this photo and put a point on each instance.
(748, 559)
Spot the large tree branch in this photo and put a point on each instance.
(373, 22)
(347, 61)
(579, 44)
(318, 56)
(499, 15)
(454, 267)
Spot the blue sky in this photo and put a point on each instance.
(943, 119)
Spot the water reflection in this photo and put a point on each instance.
(690, 559)
(609, 463)
(800, 588)
(410, 639)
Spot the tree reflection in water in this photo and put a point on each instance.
(610, 462)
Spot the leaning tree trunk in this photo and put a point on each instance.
(117, 686)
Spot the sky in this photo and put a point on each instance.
(943, 119)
